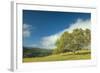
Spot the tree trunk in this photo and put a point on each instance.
(74, 52)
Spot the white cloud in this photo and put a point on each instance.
(80, 24)
(26, 30)
(49, 41)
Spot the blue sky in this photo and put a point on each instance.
(43, 28)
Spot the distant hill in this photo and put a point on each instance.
(35, 52)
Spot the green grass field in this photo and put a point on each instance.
(79, 55)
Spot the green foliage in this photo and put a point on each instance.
(73, 41)
(35, 52)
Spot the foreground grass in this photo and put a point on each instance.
(79, 55)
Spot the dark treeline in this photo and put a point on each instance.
(35, 52)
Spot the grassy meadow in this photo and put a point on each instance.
(79, 55)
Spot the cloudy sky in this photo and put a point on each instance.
(42, 28)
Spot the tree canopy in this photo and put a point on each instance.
(76, 40)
